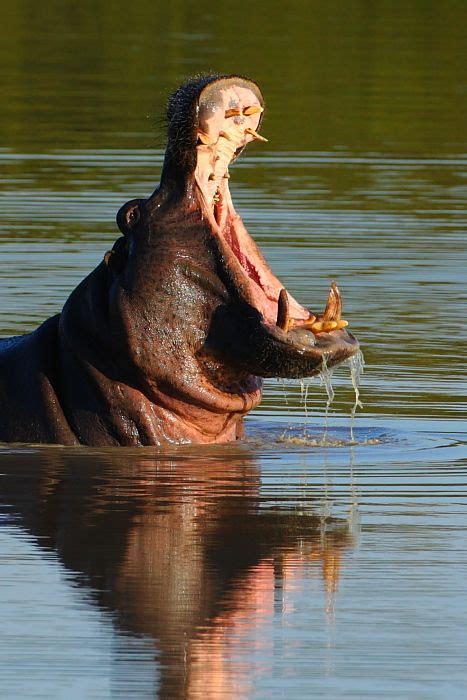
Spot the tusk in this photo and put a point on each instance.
(333, 309)
(254, 109)
(255, 134)
(283, 318)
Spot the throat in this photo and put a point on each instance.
(231, 237)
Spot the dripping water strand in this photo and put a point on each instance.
(307, 386)
(283, 385)
(356, 364)
(284, 390)
(325, 376)
(304, 388)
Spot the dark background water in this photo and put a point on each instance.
(266, 568)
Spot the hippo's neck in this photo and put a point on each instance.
(126, 380)
(107, 402)
(105, 411)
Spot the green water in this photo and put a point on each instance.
(127, 573)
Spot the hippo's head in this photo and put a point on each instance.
(194, 316)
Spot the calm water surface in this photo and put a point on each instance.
(277, 567)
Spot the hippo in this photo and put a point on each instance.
(169, 339)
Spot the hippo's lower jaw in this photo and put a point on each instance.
(267, 333)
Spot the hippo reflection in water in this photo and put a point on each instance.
(168, 339)
(191, 555)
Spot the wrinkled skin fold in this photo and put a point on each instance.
(169, 338)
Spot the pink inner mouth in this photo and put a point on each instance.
(229, 114)
(264, 286)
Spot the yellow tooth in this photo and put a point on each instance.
(309, 322)
(232, 113)
(341, 324)
(255, 134)
(225, 135)
(254, 109)
(317, 327)
(204, 138)
(323, 326)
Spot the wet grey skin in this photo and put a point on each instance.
(169, 338)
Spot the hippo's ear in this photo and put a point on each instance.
(129, 215)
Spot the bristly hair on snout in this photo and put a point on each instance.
(182, 119)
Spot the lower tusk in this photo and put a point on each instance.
(255, 134)
(283, 319)
(333, 309)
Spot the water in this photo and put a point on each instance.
(271, 567)
(356, 364)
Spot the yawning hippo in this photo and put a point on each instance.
(168, 339)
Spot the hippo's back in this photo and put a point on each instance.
(11, 343)
(30, 409)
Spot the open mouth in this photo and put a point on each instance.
(229, 116)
